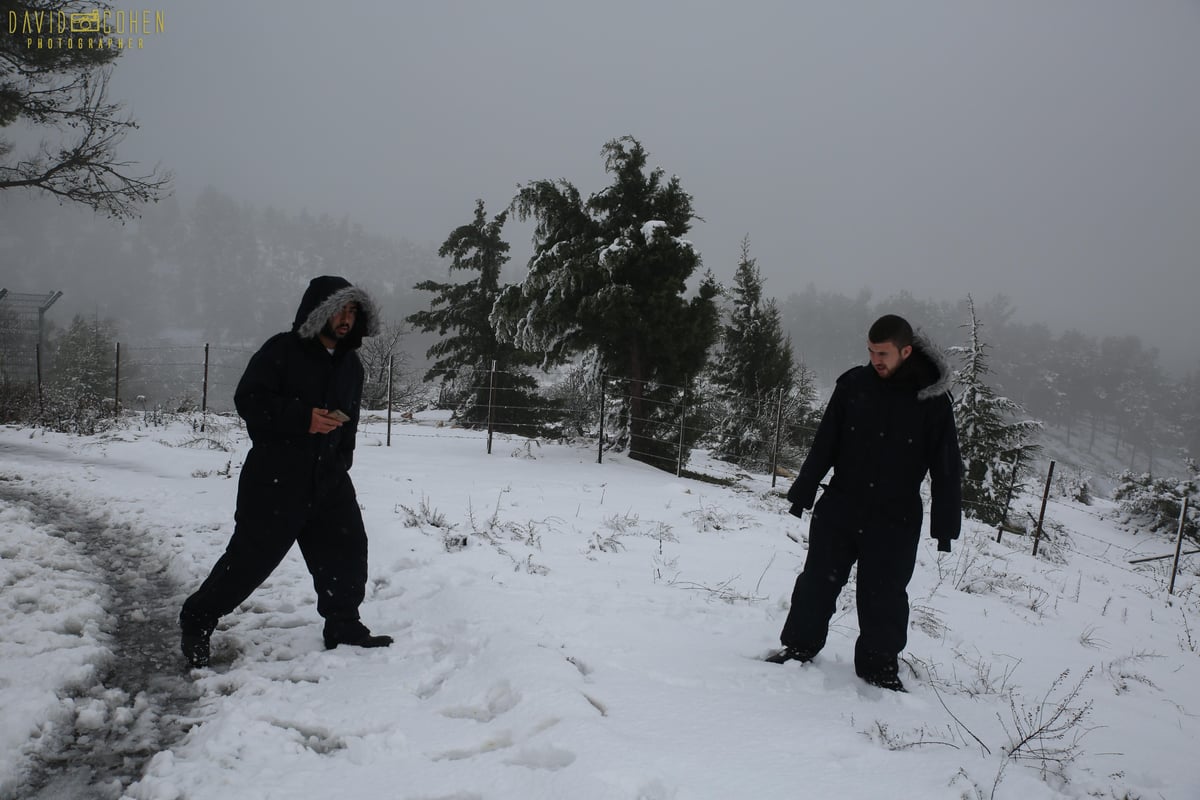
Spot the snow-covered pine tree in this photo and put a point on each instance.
(464, 357)
(78, 397)
(608, 277)
(1156, 503)
(754, 365)
(990, 435)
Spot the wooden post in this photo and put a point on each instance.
(600, 447)
(1012, 484)
(204, 395)
(775, 445)
(491, 405)
(391, 360)
(1178, 544)
(117, 384)
(1037, 536)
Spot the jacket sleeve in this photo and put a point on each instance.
(821, 455)
(945, 477)
(261, 397)
(349, 431)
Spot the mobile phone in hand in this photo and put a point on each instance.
(340, 416)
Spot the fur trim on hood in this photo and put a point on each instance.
(937, 368)
(323, 298)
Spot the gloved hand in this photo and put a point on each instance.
(943, 545)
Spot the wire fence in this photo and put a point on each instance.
(650, 421)
(177, 377)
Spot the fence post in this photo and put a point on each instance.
(682, 421)
(37, 354)
(204, 395)
(117, 384)
(1037, 536)
(600, 448)
(1012, 484)
(1178, 544)
(775, 445)
(491, 404)
(391, 361)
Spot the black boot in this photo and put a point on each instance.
(195, 636)
(803, 655)
(878, 669)
(352, 632)
(196, 647)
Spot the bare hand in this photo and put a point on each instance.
(323, 421)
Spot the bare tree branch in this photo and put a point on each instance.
(63, 91)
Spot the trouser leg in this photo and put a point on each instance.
(885, 567)
(253, 553)
(334, 545)
(831, 554)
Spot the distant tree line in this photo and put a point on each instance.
(215, 270)
(613, 289)
(1079, 385)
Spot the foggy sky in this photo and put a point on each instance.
(1046, 149)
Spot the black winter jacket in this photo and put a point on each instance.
(293, 373)
(881, 436)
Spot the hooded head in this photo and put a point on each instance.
(900, 354)
(324, 297)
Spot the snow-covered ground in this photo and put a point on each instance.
(568, 629)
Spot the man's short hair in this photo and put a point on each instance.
(891, 328)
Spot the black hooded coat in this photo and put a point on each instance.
(881, 437)
(291, 375)
(295, 485)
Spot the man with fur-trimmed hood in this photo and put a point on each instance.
(887, 425)
(300, 398)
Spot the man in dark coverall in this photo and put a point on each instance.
(886, 426)
(295, 485)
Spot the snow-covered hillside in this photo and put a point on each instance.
(564, 629)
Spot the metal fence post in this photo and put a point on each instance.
(491, 405)
(1037, 536)
(117, 384)
(775, 445)
(682, 422)
(37, 353)
(1012, 484)
(600, 447)
(1178, 544)
(391, 366)
(204, 395)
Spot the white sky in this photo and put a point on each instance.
(1042, 150)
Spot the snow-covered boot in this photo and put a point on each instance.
(878, 669)
(791, 654)
(196, 647)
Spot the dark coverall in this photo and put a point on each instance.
(880, 436)
(295, 485)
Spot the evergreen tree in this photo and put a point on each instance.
(990, 438)
(464, 358)
(84, 357)
(607, 277)
(754, 367)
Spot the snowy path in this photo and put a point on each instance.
(134, 703)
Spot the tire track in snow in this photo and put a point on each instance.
(141, 700)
